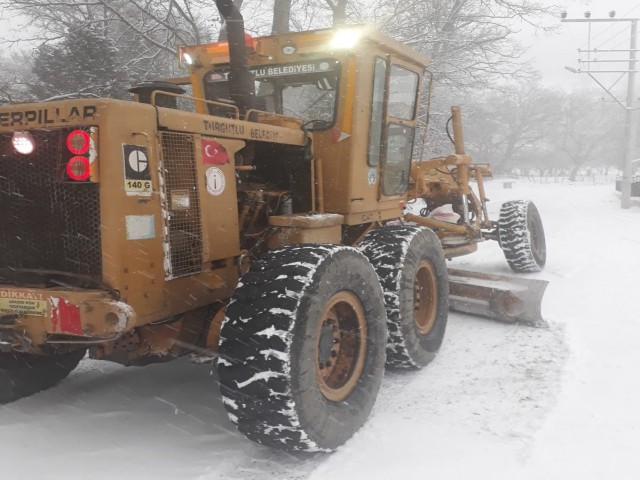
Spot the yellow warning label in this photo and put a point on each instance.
(10, 306)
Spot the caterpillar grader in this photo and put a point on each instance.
(259, 217)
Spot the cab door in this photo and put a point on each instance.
(393, 123)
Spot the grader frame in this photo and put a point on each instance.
(264, 222)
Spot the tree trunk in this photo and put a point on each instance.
(574, 173)
(340, 12)
(281, 16)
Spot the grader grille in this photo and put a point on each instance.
(48, 223)
(182, 204)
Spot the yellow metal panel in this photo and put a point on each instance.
(180, 121)
(219, 209)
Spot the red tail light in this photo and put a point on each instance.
(78, 142)
(78, 168)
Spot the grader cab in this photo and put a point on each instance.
(258, 218)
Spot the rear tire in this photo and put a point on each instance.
(521, 236)
(23, 374)
(413, 273)
(302, 348)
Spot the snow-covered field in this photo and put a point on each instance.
(500, 401)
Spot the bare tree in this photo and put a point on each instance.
(338, 11)
(534, 128)
(145, 31)
(590, 132)
(471, 42)
(504, 127)
(15, 77)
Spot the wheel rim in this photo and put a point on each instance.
(425, 298)
(340, 346)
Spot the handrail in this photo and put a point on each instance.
(233, 108)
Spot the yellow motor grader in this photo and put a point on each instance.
(260, 217)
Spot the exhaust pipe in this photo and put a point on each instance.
(241, 82)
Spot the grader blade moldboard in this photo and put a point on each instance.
(501, 297)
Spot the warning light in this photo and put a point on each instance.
(78, 168)
(250, 41)
(78, 142)
(23, 143)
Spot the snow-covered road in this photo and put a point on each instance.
(500, 401)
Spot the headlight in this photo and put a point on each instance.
(187, 58)
(346, 38)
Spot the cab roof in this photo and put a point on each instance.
(309, 44)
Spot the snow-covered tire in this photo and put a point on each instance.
(413, 273)
(23, 374)
(521, 236)
(280, 328)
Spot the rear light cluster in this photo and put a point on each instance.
(79, 144)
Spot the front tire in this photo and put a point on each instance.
(23, 374)
(302, 348)
(413, 273)
(521, 236)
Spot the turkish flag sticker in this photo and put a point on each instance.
(213, 153)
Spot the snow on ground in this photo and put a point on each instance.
(500, 401)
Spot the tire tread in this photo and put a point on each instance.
(515, 237)
(386, 248)
(254, 362)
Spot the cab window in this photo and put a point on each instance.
(307, 90)
(403, 86)
(376, 126)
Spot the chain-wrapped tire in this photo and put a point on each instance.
(23, 374)
(521, 236)
(302, 348)
(412, 270)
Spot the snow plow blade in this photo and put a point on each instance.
(501, 297)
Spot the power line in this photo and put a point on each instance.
(630, 71)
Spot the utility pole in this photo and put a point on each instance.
(631, 124)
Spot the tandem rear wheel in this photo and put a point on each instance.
(411, 266)
(302, 349)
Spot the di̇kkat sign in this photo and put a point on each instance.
(137, 173)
